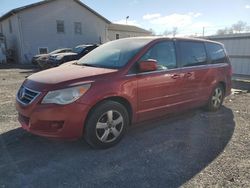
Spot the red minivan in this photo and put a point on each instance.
(121, 83)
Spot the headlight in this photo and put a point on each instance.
(65, 96)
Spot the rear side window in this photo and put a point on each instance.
(192, 53)
(163, 53)
(216, 53)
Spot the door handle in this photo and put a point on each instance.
(176, 76)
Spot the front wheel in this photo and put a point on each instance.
(216, 99)
(106, 124)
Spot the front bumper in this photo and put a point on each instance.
(53, 121)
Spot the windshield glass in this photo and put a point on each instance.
(113, 55)
(78, 50)
(56, 51)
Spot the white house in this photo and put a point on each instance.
(51, 24)
(117, 31)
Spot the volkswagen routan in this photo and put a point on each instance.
(121, 83)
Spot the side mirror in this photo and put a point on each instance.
(148, 65)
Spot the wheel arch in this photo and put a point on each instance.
(223, 84)
(122, 100)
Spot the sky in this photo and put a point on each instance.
(189, 16)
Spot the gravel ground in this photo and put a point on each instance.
(193, 149)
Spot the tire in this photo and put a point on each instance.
(106, 125)
(216, 99)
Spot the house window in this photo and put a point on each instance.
(117, 36)
(10, 26)
(78, 28)
(1, 28)
(43, 50)
(60, 26)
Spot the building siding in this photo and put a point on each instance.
(39, 27)
(124, 34)
(238, 49)
(13, 40)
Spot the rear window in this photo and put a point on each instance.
(192, 53)
(216, 53)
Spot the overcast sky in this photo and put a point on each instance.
(190, 16)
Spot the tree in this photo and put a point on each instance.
(167, 32)
(225, 31)
(174, 32)
(239, 26)
(152, 31)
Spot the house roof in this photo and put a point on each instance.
(128, 28)
(20, 9)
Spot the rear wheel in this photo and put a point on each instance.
(216, 99)
(106, 124)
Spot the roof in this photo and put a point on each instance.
(20, 9)
(159, 38)
(230, 36)
(128, 28)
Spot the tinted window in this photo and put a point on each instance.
(216, 53)
(164, 54)
(192, 53)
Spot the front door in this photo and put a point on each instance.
(159, 91)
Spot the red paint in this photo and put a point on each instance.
(150, 95)
(147, 66)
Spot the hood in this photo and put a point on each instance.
(64, 54)
(68, 74)
(40, 55)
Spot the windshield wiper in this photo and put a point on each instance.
(89, 65)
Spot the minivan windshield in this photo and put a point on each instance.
(113, 55)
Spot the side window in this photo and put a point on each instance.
(43, 50)
(192, 53)
(164, 54)
(117, 36)
(216, 53)
(78, 28)
(60, 26)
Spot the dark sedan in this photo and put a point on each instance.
(44, 57)
(78, 52)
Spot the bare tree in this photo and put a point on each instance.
(167, 32)
(225, 31)
(175, 31)
(152, 32)
(238, 27)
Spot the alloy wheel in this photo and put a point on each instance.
(217, 97)
(109, 126)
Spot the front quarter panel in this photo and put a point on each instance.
(125, 87)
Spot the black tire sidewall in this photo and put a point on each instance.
(95, 114)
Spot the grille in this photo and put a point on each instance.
(26, 96)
